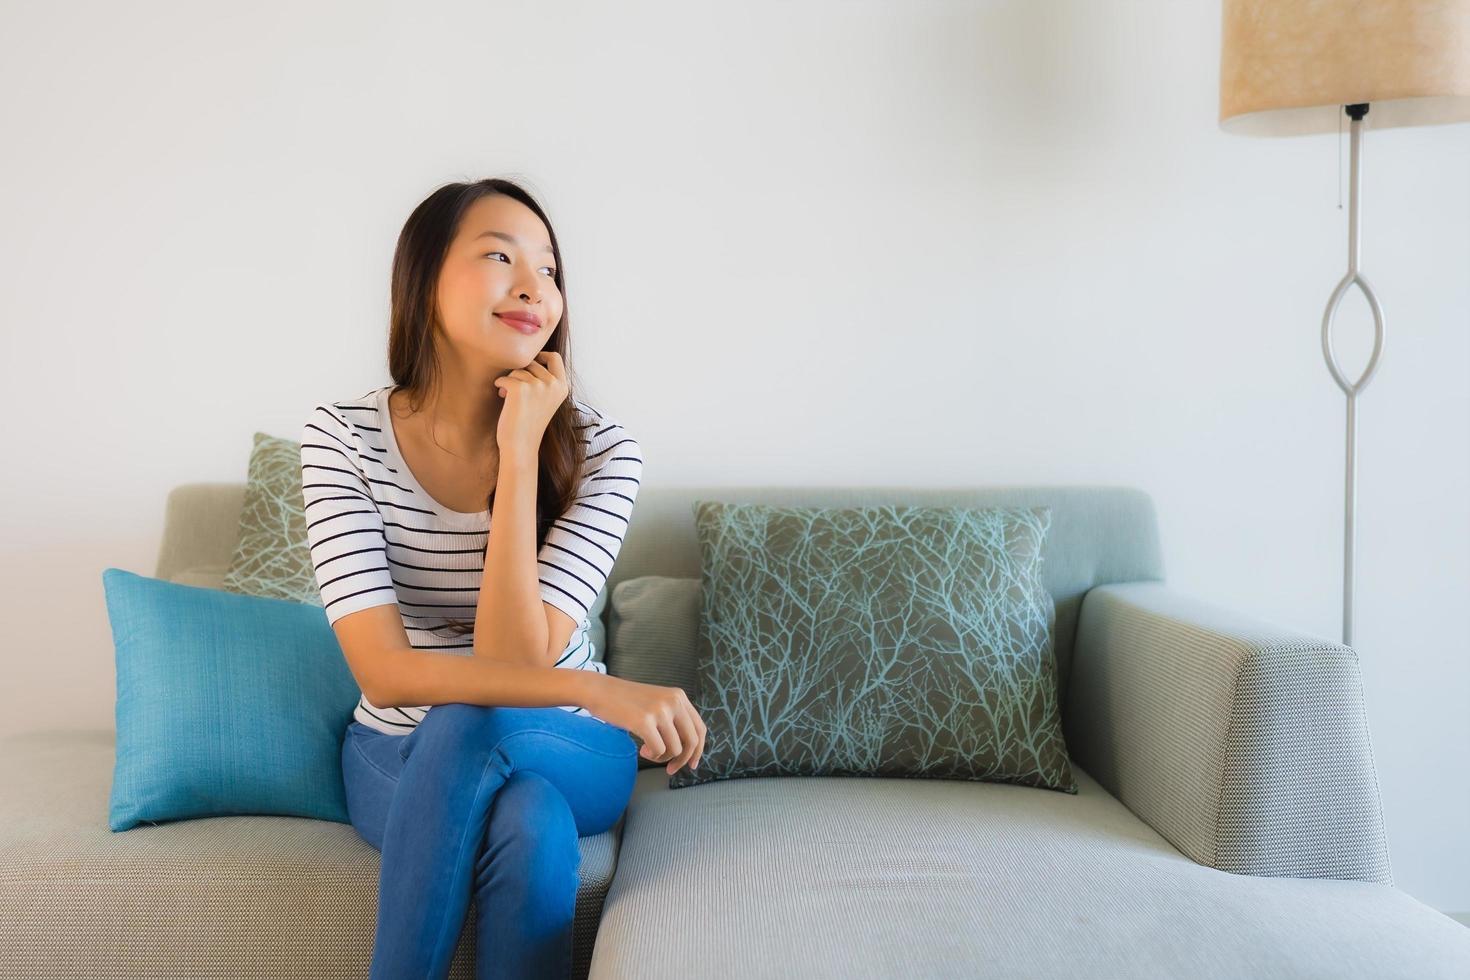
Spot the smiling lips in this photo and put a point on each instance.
(525, 324)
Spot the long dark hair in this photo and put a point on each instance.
(413, 355)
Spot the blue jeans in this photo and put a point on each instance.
(489, 800)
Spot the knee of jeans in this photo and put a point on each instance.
(531, 836)
(529, 810)
(473, 726)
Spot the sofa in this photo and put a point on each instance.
(1227, 821)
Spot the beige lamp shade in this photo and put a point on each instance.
(1287, 67)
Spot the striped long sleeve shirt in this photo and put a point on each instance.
(377, 537)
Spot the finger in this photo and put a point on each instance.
(540, 371)
(673, 745)
(689, 736)
(554, 363)
(653, 743)
(692, 730)
(703, 732)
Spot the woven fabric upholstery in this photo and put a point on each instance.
(275, 898)
(1099, 534)
(653, 627)
(1243, 744)
(825, 876)
(859, 877)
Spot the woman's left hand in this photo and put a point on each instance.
(532, 395)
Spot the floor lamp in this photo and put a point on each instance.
(1290, 68)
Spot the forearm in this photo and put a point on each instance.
(510, 621)
(420, 677)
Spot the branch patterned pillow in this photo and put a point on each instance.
(881, 641)
(272, 556)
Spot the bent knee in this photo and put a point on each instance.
(477, 723)
(530, 810)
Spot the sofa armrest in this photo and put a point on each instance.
(1244, 745)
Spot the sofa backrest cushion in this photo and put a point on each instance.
(1098, 535)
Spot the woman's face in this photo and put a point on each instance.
(500, 262)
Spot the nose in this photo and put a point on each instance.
(529, 288)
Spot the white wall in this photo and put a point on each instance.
(931, 242)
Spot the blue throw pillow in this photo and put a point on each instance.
(227, 704)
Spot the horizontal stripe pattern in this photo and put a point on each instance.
(377, 538)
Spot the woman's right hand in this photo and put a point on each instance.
(661, 717)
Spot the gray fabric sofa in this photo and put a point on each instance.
(1227, 823)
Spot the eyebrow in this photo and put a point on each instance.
(509, 238)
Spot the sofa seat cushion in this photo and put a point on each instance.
(861, 876)
(236, 896)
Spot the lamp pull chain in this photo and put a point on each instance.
(1339, 155)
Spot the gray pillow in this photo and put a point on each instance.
(883, 641)
(653, 635)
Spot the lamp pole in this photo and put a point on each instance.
(1354, 276)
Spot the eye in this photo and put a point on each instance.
(551, 267)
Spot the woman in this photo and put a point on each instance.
(471, 763)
